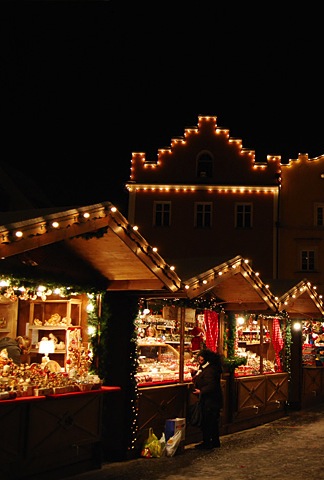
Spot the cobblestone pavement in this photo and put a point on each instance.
(291, 448)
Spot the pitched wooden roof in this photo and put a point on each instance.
(92, 245)
(233, 284)
(302, 300)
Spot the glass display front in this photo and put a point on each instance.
(312, 343)
(259, 341)
(158, 343)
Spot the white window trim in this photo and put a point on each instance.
(308, 249)
(316, 206)
(211, 213)
(237, 204)
(161, 202)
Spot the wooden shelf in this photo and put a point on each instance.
(57, 352)
(43, 311)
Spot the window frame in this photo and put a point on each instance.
(310, 252)
(203, 214)
(205, 164)
(163, 213)
(244, 214)
(318, 206)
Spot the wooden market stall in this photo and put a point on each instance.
(257, 389)
(96, 247)
(253, 395)
(305, 310)
(87, 252)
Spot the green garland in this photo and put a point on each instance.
(17, 282)
(286, 326)
(118, 342)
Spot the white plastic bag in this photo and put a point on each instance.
(162, 442)
(172, 444)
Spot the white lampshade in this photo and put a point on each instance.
(46, 347)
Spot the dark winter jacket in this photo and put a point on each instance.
(208, 381)
(13, 349)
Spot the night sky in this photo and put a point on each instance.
(85, 84)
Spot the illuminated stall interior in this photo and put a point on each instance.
(305, 307)
(227, 309)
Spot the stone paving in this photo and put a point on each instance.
(291, 448)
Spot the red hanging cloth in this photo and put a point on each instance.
(211, 320)
(277, 342)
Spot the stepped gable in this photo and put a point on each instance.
(232, 164)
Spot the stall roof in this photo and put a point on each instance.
(233, 284)
(301, 300)
(93, 245)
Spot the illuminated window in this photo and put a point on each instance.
(319, 215)
(243, 215)
(307, 260)
(205, 165)
(162, 214)
(203, 215)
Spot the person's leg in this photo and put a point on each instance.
(208, 427)
(215, 429)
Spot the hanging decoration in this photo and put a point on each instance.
(211, 321)
(287, 336)
(277, 342)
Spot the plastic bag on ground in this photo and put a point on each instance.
(153, 447)
(172, 444)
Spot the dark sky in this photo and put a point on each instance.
(85, 84)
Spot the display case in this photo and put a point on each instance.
(159, 350)
(56, 320)
(157, 362)
(167, 322)
(259, 343)
(313, 343)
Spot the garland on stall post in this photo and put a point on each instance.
(286, 326)
(118, 343)
(231, 361)
(97, 324)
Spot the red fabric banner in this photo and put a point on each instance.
(277, 342)
(211, 321)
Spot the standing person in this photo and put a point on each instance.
(207, 385)
(16, 347)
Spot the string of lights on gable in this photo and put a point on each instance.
(63, 222)
(193, 288)
(206, 281)
(301, 288)
(205, 122)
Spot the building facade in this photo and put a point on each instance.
(302, 220)
(207, 199)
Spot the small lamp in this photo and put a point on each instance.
(46, 347)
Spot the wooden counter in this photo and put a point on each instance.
(255, 400)
(51, 437)
(312, 386)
